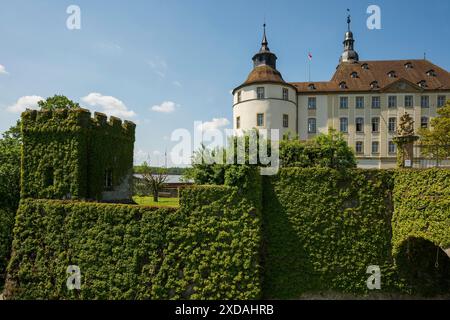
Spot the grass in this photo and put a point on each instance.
(162, 202)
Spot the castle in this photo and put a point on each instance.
(67, 154)
(364, 100)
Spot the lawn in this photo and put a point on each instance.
(162, 202)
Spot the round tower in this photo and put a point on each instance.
(265, 100)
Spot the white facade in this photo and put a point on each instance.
(277, 110)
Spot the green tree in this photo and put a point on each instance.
(153, 179)
(436, 139)
(57, 102)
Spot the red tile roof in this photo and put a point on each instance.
(434, 77)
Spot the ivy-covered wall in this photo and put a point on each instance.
(208, 249)
(323, 228)
(421, 229)
(66, 154)
(6, 226)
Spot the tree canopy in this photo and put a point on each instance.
(436, 139)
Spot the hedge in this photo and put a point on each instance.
(208, 249)
(323, 228)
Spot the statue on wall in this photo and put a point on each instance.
(405, 141)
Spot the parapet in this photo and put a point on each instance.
(61, 120)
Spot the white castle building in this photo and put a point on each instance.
(363, 100)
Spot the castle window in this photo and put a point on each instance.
(343, 85)
(108, 179)
(375, 125)
(285, 121)
(260, 94)
(392, 125)
(359, 147)
(354, 75)
(238, 122)
(239, 96)
(392, 102)
(359, 102)
(311, 86)
(440, 101)
(343, 103)
(392, 74)
(312, 103)
(408, 65)
(49, 177)
(365, 66)
(431, 73)
(359, 123)
(376, 102)
(424, 122)
(425, 101)
(343, 125)
(375, 147)
(374, 85)
(260, 120)
(312, 125)
(392, 148)
(409, 101)
(285, 94)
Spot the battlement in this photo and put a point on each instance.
(74, 120)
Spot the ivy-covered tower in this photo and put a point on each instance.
(67, 154)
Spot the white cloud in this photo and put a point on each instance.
(215, 124)
(165, 107)
(140, 156)
(3, 70)
(177, 84)
(159, 66)
(23, 103)
(111, 106)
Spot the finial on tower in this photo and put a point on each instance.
(264, 43)
(349, 19)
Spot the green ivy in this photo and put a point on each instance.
(323, 228)
(208, 249)
(66, 153)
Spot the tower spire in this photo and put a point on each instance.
(349, 54)
(264, 43)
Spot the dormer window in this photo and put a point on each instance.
(365, 66)
(422, 84)
(374, 85)
(392, 74)
(408, 65)
(343, 85)
(354, 75)
(431, 73)
(311, 86)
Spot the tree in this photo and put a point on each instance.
(325, 150)
(154, 179)
(436, 139)
(57, 102)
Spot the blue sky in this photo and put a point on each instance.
(135, 58)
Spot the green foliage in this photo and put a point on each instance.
(436, 140)
(6, 226)
(66, 153)
(208, 249)
(57, 102)
(9, 192)
(325, 151)
(323, 228)
(421, 224)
